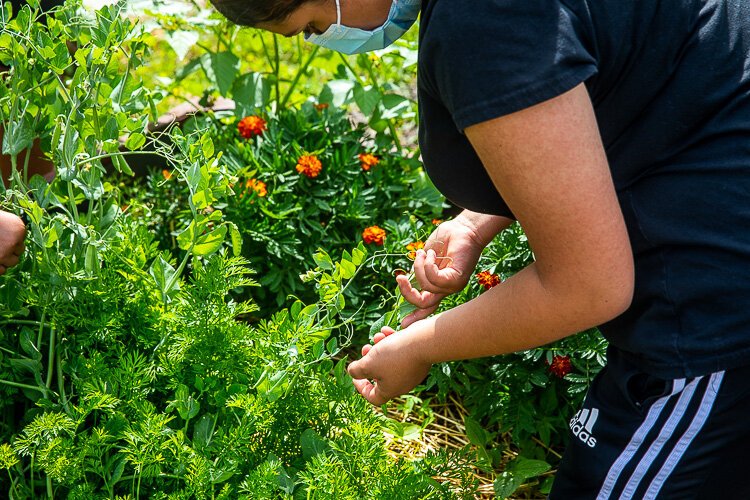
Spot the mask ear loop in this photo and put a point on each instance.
(338, 13)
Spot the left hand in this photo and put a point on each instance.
(393, 366)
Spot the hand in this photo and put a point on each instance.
(444, 266)
(12, 235)
(389, 368)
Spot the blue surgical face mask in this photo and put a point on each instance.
(348, 40)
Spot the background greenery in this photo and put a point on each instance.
(173, 332)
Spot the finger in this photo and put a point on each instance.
(2, 269)
(20, 248)
(365, 349)
(10, 260)
(420, 262)
(374, 395)
(362, 385)
(421, 299)
(378, 337)
(416, 316)
(359, 369)
(387, 330)
(446, 277)
(371, 392)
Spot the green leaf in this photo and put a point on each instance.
(18, 136)
(332, 345)
(395, 106)
(475, 432)
(367, 100)
(527, 468)
(224, 66)
(207, 146)
(135, 141)
(163, 273)
(323, 260)
(250, 92)
(27, 344)
(358, 256)
(118, 469)
(312, 444)
(203, 431)
(182, 41)
(185, 238)
(295, 309)
(317, 349)
(211, 242)
(347, 269)
(506, 484)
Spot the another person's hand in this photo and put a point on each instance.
(444, 266)
(12, 235)
(389, 367)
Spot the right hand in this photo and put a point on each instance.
(445, 265)
(12, 236)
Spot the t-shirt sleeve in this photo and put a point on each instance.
(487, 58)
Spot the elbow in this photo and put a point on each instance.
(610, 297)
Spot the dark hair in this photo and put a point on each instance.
(253, 12)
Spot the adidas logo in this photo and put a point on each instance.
(582, 425)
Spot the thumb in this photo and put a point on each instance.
(359, 369)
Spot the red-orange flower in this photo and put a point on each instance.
(321, 106)
(488, 280)
(309, 165)
(368, 161)
(167, 174)
(413, 247)
(373, 234)
(560, 365)
(258, 186)
(437, 222)
(250, 126)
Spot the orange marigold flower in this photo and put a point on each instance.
(437, 222)
(258, 186)
(374, 234)
(399, 272)
(309, 165)
(321, 106)
(167, 174)
(368, 161)
(560, 365)
(488, 280)
(413, 247)
(250, 126)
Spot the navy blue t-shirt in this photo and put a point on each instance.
(670, 85)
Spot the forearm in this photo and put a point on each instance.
(519, 314)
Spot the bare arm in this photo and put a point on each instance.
(549, 164)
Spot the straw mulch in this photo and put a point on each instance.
(447, 431)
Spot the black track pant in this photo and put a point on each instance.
(639, 436)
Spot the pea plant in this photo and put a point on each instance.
(126, 369)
